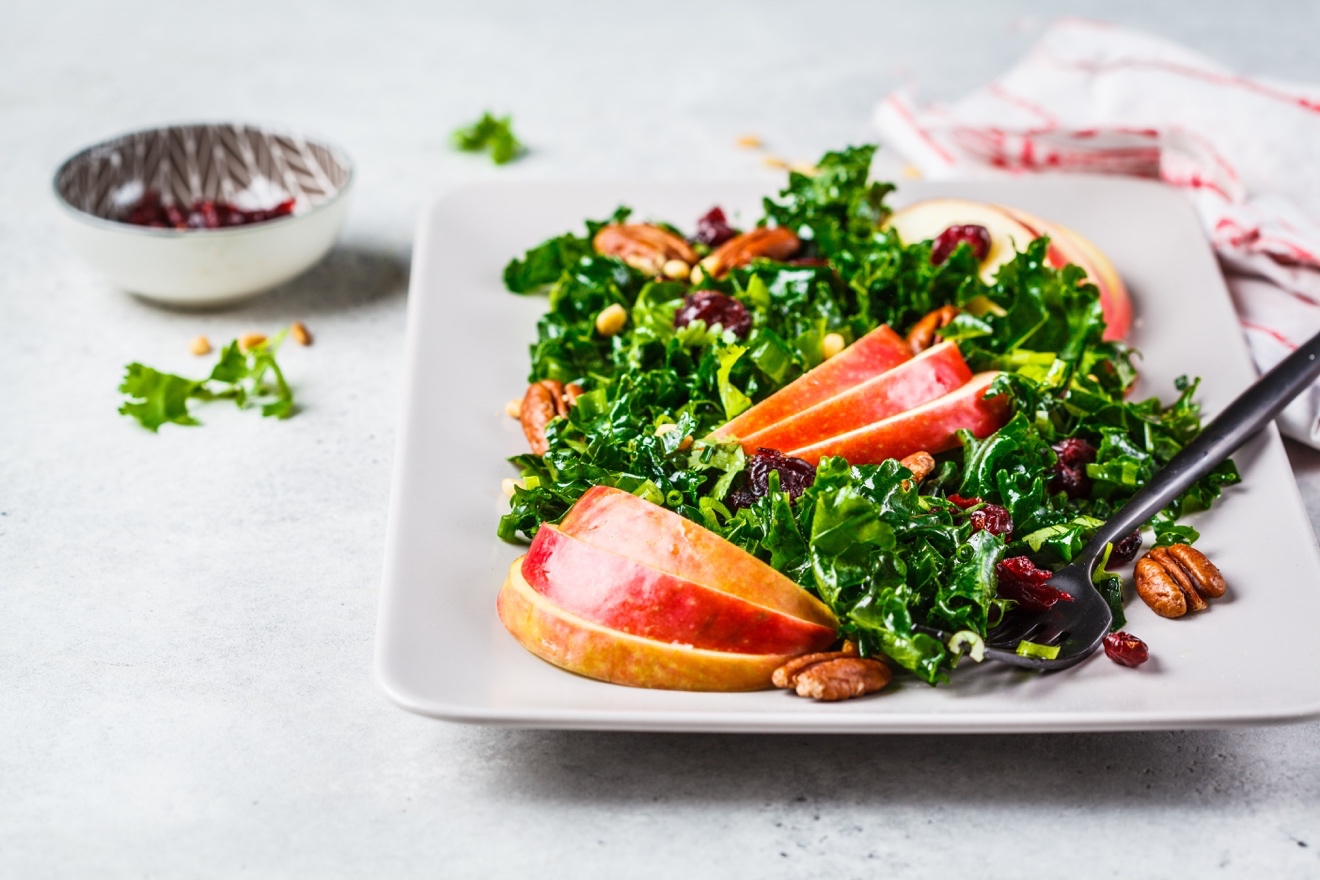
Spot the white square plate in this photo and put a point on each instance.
(441, 651)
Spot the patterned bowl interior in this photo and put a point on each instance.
(250, 167)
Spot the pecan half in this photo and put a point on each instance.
(772, 244)
(842, 679)
(920, 463)
(786, 675)
(1177, 579)
(543, 401)
(645, 247)
(832, 675)
(924, 333)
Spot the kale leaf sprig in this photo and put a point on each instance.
(249, 376)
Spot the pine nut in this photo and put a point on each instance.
(249, 341)
(611, 320)
(676, 270)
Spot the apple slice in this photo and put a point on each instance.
(925, 220)
(932, 427)
(649, 534)
(608, 589)
(1068, 246)
(871, 355)
(570, 642)
(931, 374)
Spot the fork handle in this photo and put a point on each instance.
(1246, 415)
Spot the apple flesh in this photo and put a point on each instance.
(1011, 229)
(874, 353)
(931, 374)
(925, 220)
(596, 651)
(624, 595)
(931, 427)
(650, 535)
(1068, 246)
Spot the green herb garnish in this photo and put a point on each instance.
(249, 378)
(490, 133)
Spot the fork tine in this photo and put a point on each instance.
(1012, 631)
(1050, 635)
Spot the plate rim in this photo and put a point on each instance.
(387, 677)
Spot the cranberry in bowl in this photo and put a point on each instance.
(204, 214)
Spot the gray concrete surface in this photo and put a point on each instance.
(186, 619)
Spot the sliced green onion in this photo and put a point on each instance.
(966, 639)
(1031, 649)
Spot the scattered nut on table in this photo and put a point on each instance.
(1176, 579)
(200, 345)
(300, 333)
(249, 341)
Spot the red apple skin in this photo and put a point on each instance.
(931, 427)
(931, 374)
(876, 352)
(647, 533)
(616, 592)
(605, 654)
(1068, 246)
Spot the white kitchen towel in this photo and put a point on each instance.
(1098, 98)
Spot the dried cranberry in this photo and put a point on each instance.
(1126, 549)
(962, 502)
(1126, 649)
(150, 210)
(1071, 482)
(795, 475)
(1074, 452)
(174, 216)
(713, 228)
(993, 519)
(977, 237)
(1070, 472)
(1024, 583)
(714, 308)
(204, 215)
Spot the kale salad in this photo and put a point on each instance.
(886, 552)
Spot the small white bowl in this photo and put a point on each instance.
(248, 166)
